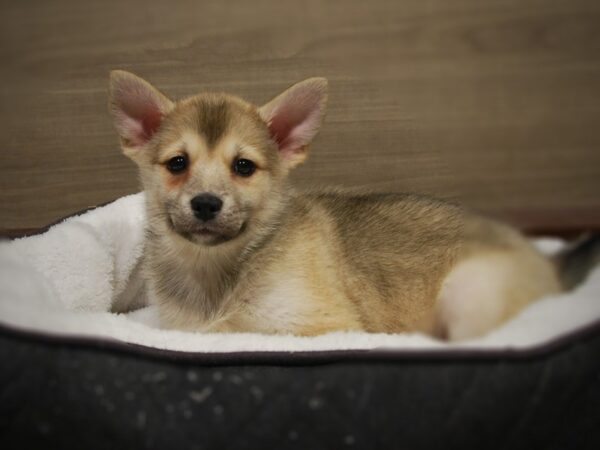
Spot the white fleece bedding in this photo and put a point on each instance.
(64, 281)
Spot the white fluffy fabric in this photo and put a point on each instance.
(63, 282)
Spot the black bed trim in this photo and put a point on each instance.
(297, 358)
(28, 232)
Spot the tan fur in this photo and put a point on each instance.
(310, 263)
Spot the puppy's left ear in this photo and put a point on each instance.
(294, 118)
(138, 110)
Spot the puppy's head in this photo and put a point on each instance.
(214, 166)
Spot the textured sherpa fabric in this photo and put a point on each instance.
(64, 281)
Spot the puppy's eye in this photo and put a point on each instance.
(244, 167)
(177, 164)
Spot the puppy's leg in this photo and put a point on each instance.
(486, 289)
(134, 295)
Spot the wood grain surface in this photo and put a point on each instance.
(494, 103)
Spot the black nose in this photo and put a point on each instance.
(206, 206)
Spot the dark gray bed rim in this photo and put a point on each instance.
(297, 358)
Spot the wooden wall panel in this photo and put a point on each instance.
(495, 104)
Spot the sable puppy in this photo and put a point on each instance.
(231, 247)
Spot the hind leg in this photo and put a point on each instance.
(484, 290)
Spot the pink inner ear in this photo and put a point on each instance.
(138, 115)
(139, 131)
(151, 122)
(295, 120)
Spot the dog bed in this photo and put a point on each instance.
(76, 375)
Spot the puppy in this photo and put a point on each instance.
(231, 247)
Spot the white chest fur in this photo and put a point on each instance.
(284, 306)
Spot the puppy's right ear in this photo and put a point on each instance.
(294, 118)
(138, 110)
